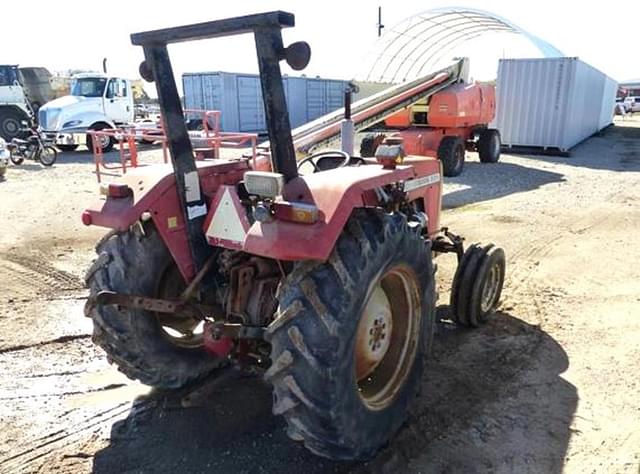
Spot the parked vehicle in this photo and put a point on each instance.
(96, 102)
(445, 126)
(633, 103)
(14, 105)
(323, 283)
(141, 111)
(4, 157)
(622, 107)
(35, 146)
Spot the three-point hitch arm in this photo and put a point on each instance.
(266, 28)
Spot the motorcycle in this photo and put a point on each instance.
(35, 146)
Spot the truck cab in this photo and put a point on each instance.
(14, 107)
(96, 102)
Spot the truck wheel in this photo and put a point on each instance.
(164, 351)
(451, 154)
(350, 336)
(489, 145)
(68, 147)
(477, 285)
(10, 123)
(107, 142)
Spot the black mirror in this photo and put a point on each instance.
(298, 55)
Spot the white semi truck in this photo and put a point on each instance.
(96, 102)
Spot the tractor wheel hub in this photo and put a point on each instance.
(374, 333)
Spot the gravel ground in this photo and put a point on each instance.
(549, 385)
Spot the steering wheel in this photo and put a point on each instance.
(311, 158)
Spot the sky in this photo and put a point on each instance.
(75, 34)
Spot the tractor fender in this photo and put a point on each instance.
(153, 191)
(336, 193)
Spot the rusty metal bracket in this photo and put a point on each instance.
(237, 331)
(197, 311)
(455, 244)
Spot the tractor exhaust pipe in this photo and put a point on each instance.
(347, 129)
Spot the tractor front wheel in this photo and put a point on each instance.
(451, 154)
(477, 285)
(161, 350)
(350, 336)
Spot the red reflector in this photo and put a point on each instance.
(118, 190)
(86, 218)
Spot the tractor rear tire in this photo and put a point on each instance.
(451, 154)
(477, 285)
(133, 263)
(489, 145)
(325, 327)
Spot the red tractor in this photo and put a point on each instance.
(445, 125)
(323, 282)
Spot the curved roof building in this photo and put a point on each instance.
(423, 41)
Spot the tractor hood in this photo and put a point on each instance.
(68, 112)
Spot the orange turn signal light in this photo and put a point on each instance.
(296, 212)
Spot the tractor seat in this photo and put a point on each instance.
(330, 162)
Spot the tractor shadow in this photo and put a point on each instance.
(485, 181)
(492, 400)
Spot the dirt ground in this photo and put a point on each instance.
(549, 385)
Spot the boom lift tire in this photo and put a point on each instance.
(489, 145)
(451, 154)
(139, 263)
(477, 285)
(335, 398)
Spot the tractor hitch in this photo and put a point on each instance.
(219, 327)
(454, 245)
(157, 305)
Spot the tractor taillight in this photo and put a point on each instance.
(118, 191)
(86, 218)
(296, 212)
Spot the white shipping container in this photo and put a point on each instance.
(552, 102)
(239, 98)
